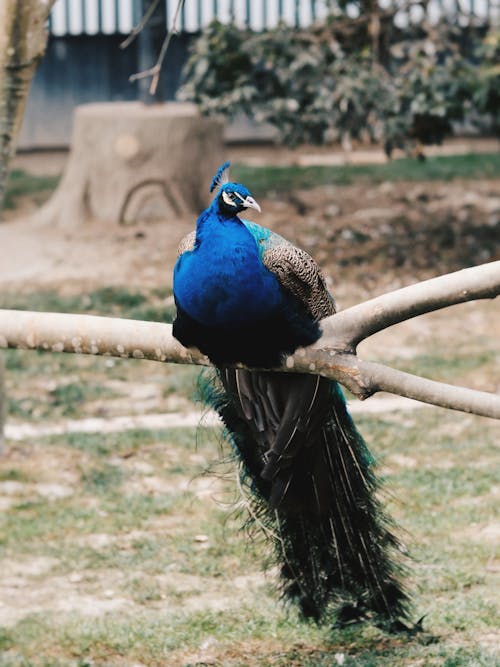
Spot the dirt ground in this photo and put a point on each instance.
(361, 235)
(368, 239)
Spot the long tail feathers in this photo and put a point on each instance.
(312, 487)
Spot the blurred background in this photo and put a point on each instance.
(83, 62)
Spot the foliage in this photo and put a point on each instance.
(487, 89)
(337, 82)
(432, 83)
(21, 184)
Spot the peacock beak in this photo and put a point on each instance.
(250, 202)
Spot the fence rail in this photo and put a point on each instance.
(91, 17)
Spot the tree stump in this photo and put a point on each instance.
(131, 162)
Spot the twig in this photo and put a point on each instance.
(155, 71)
(136, 30)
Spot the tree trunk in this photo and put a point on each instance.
(23, 38)
(131, 161)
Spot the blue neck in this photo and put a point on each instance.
(223, 281)
(213, 220)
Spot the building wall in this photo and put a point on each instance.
(109, 16)
(78, 69)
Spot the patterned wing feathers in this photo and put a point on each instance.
(299, 274)
(187, 243)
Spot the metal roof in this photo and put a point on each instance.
(77, 17)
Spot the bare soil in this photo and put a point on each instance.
(367, 238)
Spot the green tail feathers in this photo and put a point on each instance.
(332, 542)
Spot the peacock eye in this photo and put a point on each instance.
(229, 198)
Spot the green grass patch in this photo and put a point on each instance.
(69, 396)
(104, 479)
(132, 441)
(283, 179)
(280, 179)
(137, 529)
(448, 365)
(108, 301)
(65, 400)
(20, 184)
(26, 407)
(13, 475)
(141, 525)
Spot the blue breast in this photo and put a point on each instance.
(223, 281)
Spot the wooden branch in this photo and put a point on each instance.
(333, 356)
(92, 334)
(137, 29)
(345, 330)
(365, 378)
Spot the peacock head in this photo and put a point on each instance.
(232, 198)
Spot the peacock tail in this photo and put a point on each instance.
(332, 542)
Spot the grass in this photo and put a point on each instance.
(118, 549)
(143, 528)
(471, 166)
(20, 183)
(271, 180)
(150, 305)
(47, 386)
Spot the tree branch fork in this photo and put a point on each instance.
(333, 356)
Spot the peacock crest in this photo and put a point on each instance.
(221, 176)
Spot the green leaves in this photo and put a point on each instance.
(333, 83)
(487, 90)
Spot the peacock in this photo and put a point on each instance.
(247, 298)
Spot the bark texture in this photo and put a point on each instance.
(353, 325)
(23, 38)
(131, 161)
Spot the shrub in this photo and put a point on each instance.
(338, 81)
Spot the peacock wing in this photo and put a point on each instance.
(187, 244)
(295, 269)
(300, 274)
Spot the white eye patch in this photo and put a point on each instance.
(227, 199)
(237, 194)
